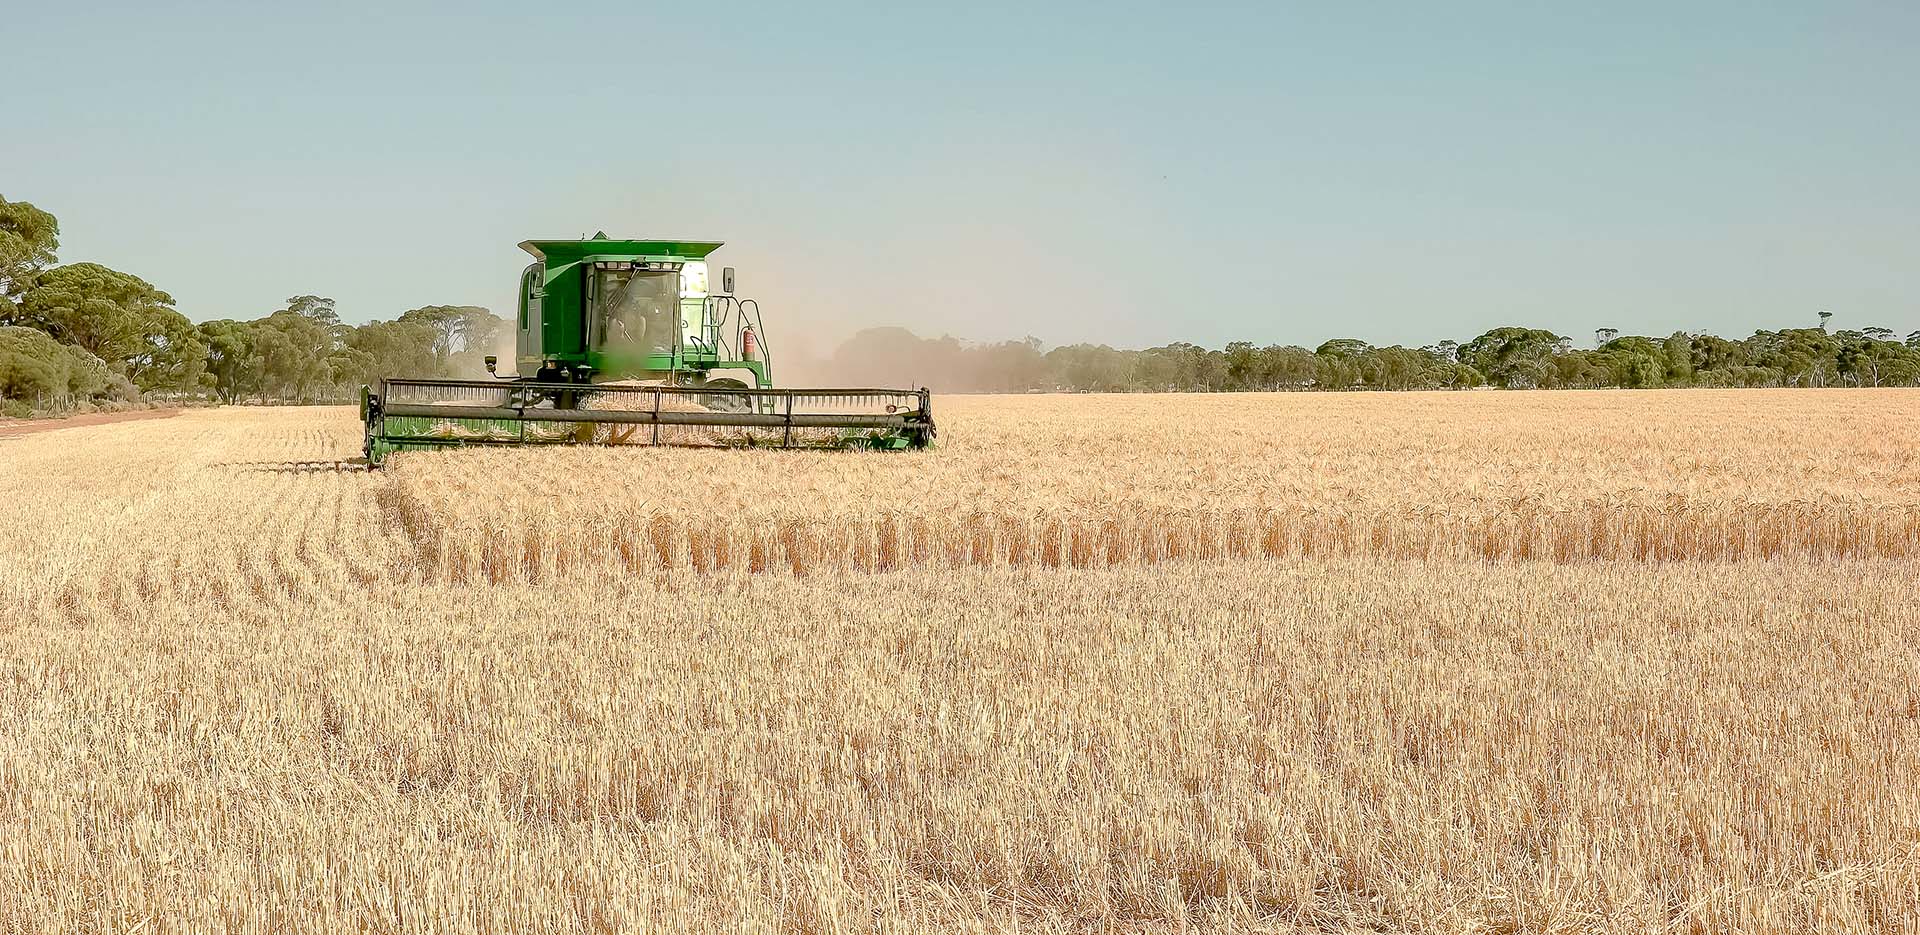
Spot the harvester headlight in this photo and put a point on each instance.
(693, 281)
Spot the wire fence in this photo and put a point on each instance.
(43, 403)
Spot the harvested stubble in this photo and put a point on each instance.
(233, 697)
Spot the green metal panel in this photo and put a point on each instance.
(561, 252)
(563, 314)
(562, 301)
(553, 302)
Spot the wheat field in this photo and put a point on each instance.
(1473, 662)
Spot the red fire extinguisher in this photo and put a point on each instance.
(749, 344)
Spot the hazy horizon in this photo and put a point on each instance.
(1086, 172)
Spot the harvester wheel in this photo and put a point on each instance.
(725, 402)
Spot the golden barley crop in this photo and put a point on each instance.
(1477, 662)
(1103, 480)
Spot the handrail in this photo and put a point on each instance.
(725, 317)
(774, 391)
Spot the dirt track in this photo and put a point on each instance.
(9, 429)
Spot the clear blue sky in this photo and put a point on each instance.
(1114, 172)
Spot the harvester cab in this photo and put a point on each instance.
(593, 311)
(625, 342)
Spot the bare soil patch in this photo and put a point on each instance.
(13, 427)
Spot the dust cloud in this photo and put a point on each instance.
(896, 357)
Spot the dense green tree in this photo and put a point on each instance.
(1162, 370)
(1634, 362)
(297, 350)
(1517, 358)
(108, 313)
(234, 364)
(1804, 356)
(384, 349)
(28, 239)
(456, 330)
(1243, 364)
(317, 309)
(1345, 363)
(1403, 368)
(1336, 372)
(1285, 368)
(1710, 352)
(1678, 351)
(1870, 357)
(1350, 348)
(34, 365)
(170, 357)
(1185, 367)
(1092, 367)
(1462, 377)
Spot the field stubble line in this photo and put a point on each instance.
(481, 542)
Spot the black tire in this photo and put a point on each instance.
(726, 402)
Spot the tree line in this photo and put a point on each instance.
(83, 335)
(1509, 358)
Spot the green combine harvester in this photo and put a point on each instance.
(622, 342)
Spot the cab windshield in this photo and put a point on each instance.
(636, 311)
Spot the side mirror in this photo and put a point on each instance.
(726, 280)
(492, 362)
